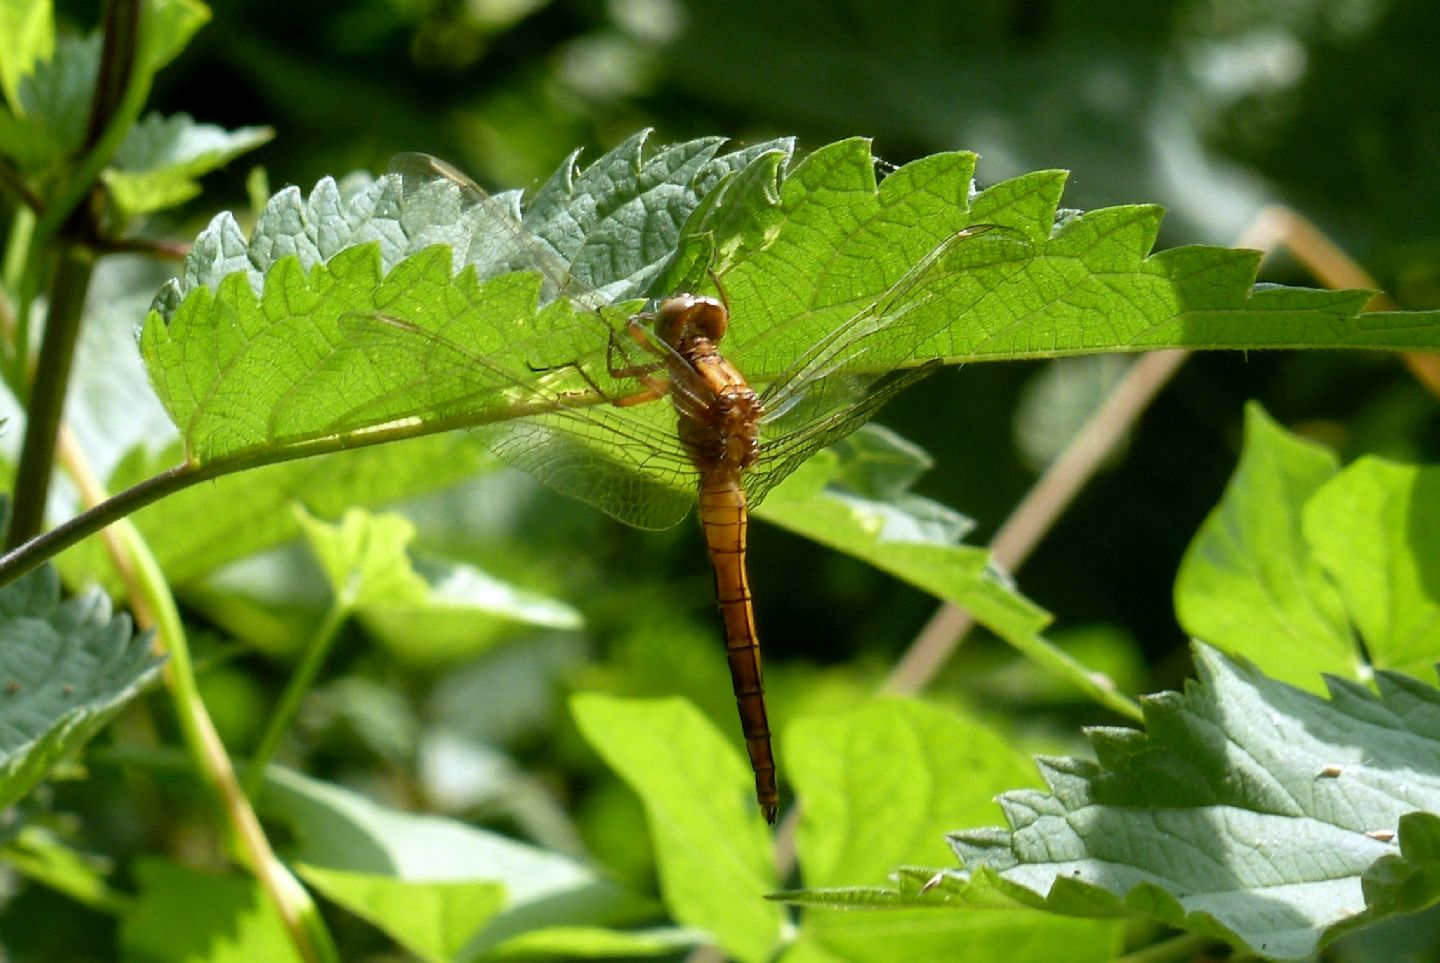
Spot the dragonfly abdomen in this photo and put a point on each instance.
(725, 520)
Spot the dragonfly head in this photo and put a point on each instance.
(688, 316)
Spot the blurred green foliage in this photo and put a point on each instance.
(1213, 108)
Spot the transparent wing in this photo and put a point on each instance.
(828, 393)
(789, 451)
(898, 318)
(559, 425)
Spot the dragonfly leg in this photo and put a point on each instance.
(724, 298)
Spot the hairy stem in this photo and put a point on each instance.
(118, 85)
(154, 606)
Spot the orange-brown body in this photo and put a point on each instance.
(719, 426)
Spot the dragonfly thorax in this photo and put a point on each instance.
(685, 318)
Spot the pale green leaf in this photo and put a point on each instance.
(39, 855)
(201, 529)
(161, 159)
(1375, 528)
(426, 610)
(1250, 582)
(27, 36)
(587, 943)
(713, 852)
(431, 919)
(184, 915)
(169, 25)
(1249, 810)
(339, 830)
(881, 785)
(54, 104)
(65, 669)
(884, 782)
(364, 557)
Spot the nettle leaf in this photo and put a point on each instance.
(249, 349)
(1249, 810)
(1302, 560)
(161, 159)
(427, 609)
(205, 527)
(65, 669)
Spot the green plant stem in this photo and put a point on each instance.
(47, 394)
(21, 559)
(14, 182)
(316, 651)
(120, 93)
(297, 910)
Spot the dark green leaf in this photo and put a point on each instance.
(1249, 810)
(65, 669)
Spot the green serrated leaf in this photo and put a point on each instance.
(185, 915)
(162, 158)
(27, 37)
(1374, 528)
(339, 830)
(713, 854)
(1250, 582)
(1249, 810)
(65, 669)
(431, 919)
(252, 352)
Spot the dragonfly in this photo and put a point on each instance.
(582, 421)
